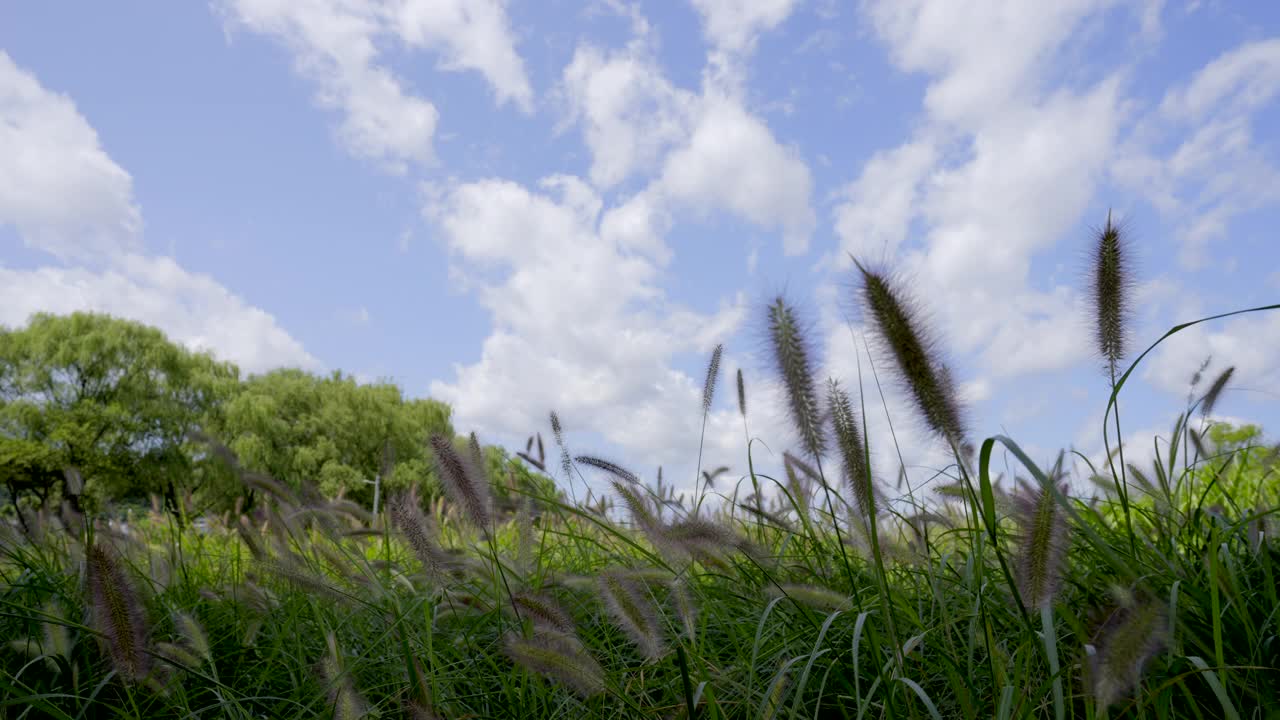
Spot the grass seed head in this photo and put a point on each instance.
(462, 481)
(1129, 639)
(420, 532)
(852, 450)
(814, 596)
(116, 612)
(792, 360)
(1042, 546)
(559, 658)
(1111, 283)
(1210, 400)
(742, 395)
(608, 466)
(633, 611)
(917, 360)
(713, 374)
(545, 613)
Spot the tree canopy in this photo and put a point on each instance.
(113, 398)
(122, 405)
(342, 435)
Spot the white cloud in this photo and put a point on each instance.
(1216, 170)
(734, 25)
(470, 35)
(58, 187)
(732, 161)
(1249, 342)
(335, 44)
(580, 325)
(630, 113)
(981, 54)
(984, 179)
(708, 151)
(190, 308)
(880, 205)
(1242, 79)
(65, 196)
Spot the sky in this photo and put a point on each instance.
(519, 207)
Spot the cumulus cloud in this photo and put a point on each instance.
(629, 112)
(336, 44)
(706, 151)
(734, 25)
(58, 188)
(983, 182)
(67, 197)
(580, 324)
(191, 308)
(1249, 342)
(732, 161)
(1216, 169)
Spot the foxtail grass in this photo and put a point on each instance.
(1129, 639)
(792, 359)
(559, 658)
(1210, 399)
(901, 334)
(462, 481)
(634, 612)
(117, 612)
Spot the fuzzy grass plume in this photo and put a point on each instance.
(1129, 639)
(1210, 399)
(566, 460)
(544, 612)
(713, 375)
(1042, 546)
(419, 532)
(343, 697)
(905, 338)
(1110, 286)
(560, 658)
(608, 466)
(116, 611)
(633, 612)
(852, 450)
(462, 481)
(792, 360)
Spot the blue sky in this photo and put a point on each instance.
(520, 206)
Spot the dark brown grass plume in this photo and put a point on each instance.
(610, 467)
(461, 480)
(852, 450)
(1210, 400)
(419, 532)
(904, 337)
(566, 461)
(1110, 286)
(116, 612)
(713, 375)
(742, 395)
(792, 360)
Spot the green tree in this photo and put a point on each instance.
(331, 430)
(111, 397)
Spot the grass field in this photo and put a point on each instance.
(1149, 593)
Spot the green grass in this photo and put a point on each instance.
(776, 630)
(1156, 601)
